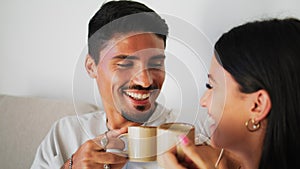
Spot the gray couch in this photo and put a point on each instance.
(24, 122)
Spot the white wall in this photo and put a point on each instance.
(43, 43)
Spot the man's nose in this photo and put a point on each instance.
(143, 78)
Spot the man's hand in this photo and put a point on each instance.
(91, 154)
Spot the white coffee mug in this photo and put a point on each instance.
(141, 143)
(168, 137)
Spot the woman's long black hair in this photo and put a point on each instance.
(266, 55)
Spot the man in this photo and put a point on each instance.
(126, 58)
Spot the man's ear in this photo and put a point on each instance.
(261, 105)
(91, 66)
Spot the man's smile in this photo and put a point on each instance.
(138, 95)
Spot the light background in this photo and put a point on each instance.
(43, 43)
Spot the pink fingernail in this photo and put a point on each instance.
(183, 139)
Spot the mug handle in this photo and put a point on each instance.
(124, 152)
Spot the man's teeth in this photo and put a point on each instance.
(138, 96)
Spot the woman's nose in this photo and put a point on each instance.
(204, 99)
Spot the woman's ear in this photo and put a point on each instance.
(261, 105)
(91, 66)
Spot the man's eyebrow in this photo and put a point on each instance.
(136, 57)
(162, 56)
(211, 78)
(126, 57)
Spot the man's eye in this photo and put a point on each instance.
(208, 86)
(125, 65)
(156, 65)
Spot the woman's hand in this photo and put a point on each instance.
(202, 157)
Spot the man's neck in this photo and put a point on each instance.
(116, 121)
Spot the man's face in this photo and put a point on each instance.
(130, 74)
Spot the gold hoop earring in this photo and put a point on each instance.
(251, 125)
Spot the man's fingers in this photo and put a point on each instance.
(111, 134)
(109, 158)
(99, 166)
(116, 133)
(92, 154)
(98, 159)
(113, 142)
(117, 166)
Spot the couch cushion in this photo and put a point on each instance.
(25, 121)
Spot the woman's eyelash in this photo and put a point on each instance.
(208, 86)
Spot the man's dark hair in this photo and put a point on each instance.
(122, 17)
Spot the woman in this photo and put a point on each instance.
(254, 95)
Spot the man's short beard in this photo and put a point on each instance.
(140, 108)
(139, 118)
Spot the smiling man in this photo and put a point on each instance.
(126, 43)
(129, 74)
